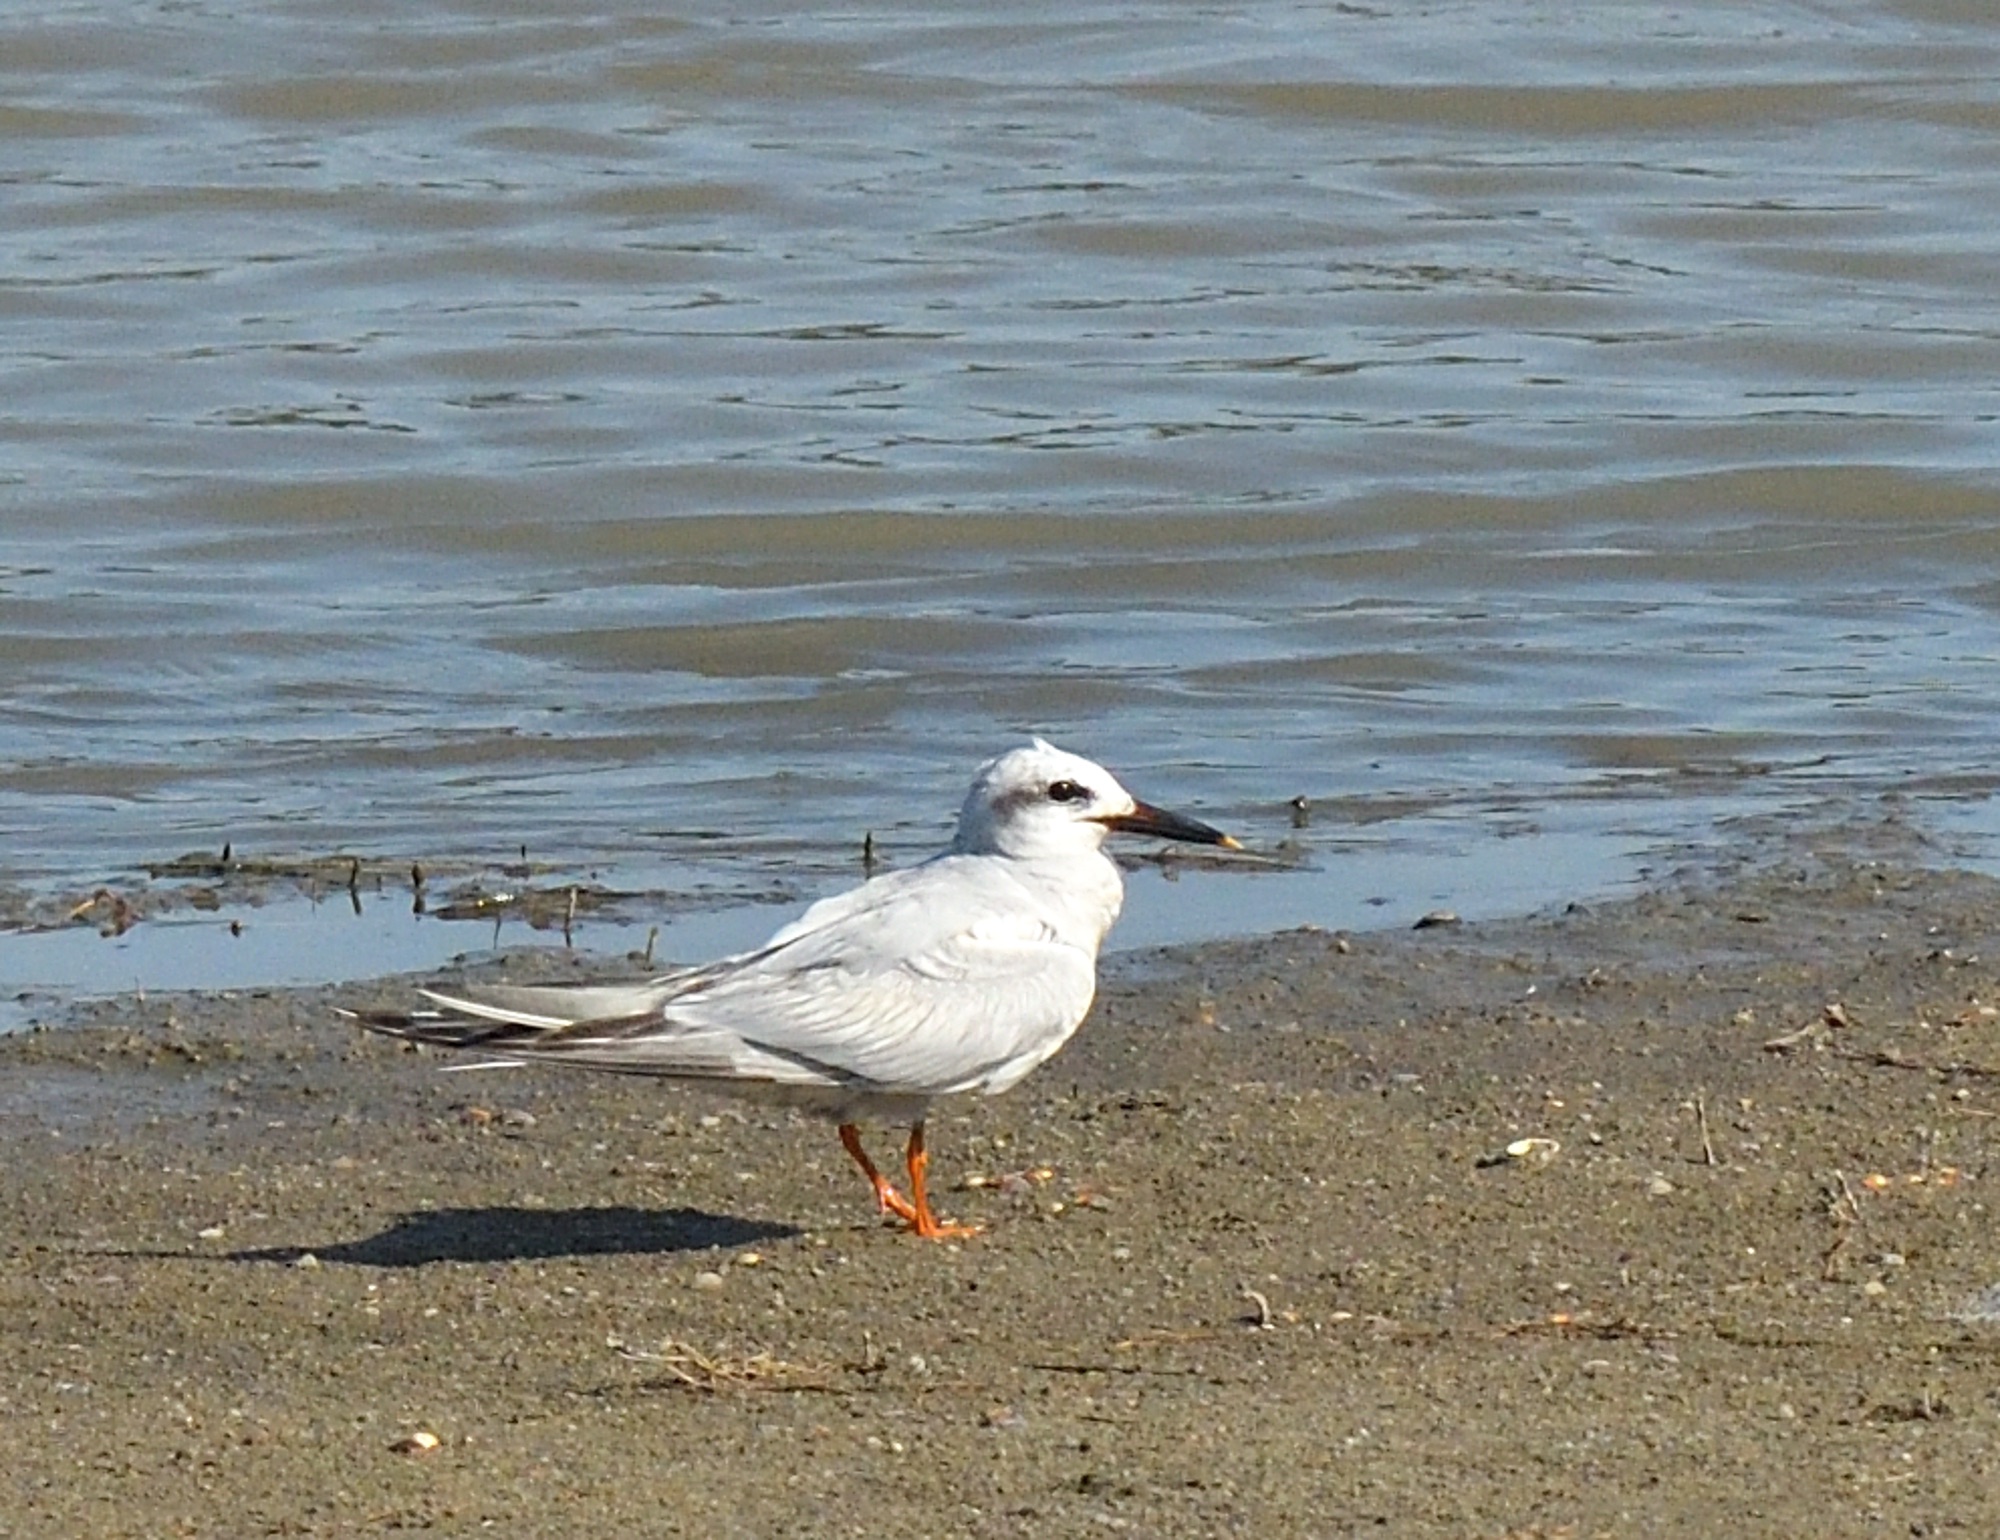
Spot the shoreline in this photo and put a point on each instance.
(232, 920)
(1257, 1255)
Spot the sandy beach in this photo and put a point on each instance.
(1258, 1259)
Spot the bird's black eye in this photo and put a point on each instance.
(1068, 791)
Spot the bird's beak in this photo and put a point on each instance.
(1146, 819)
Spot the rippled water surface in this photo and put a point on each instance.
(680, 444)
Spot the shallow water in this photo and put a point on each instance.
(678, 445)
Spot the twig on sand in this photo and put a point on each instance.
(1563, 1324)
(1834, 1014)
(1843, 1207)
(687, 1365)
(1889, 1058)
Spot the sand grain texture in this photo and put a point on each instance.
(1257, 1262)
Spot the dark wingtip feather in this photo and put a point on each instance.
(433, 1027)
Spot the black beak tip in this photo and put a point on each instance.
(1147, 819)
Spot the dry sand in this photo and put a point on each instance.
(1258, 1262)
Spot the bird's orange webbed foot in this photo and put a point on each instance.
(923, 1222)
(932, 1228)
(887, 1199)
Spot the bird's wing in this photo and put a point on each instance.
(558, 1005)
(641, 1043)
(937, 986)
(942, 977)
(523, 1021)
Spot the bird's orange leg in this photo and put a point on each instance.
(887, 1199)
(923, 1221)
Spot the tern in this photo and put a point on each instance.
(958, 975)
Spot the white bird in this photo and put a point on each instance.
(961, 974)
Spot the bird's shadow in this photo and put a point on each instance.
(530, 1234)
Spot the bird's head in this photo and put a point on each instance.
(1040, 801)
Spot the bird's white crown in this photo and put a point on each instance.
(1039, 801)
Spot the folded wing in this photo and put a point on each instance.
(923, 982)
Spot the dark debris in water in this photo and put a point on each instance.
(206, 881)
(112, 913)
(333, 870)
(546, 908)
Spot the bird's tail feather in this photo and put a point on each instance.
(594, 1027)
(553, 1006)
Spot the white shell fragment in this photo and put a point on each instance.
(423, 1441)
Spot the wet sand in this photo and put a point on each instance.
(1258, 1260)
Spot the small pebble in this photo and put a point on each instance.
(423, 1441)
(1534, 1150)
(708, 1282)
(1659, 1187)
